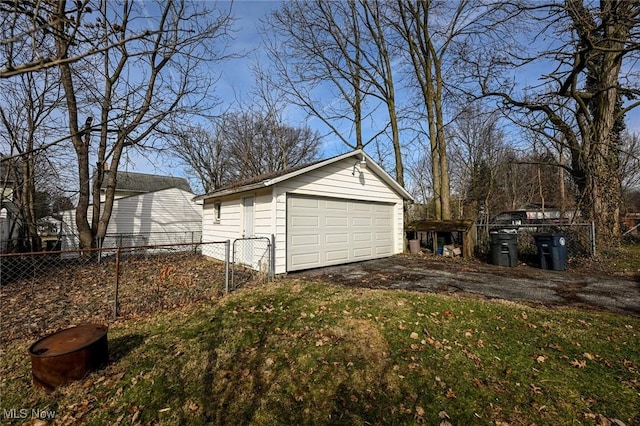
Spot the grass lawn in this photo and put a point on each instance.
(294, 352)
(626, 258)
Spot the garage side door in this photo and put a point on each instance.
(330, 231)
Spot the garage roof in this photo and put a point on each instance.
(270, 179)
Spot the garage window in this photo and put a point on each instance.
(216, 212)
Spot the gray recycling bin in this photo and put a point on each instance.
(504, 247)
(552, 251)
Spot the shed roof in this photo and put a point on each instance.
(142, 182)
(440, 225)
(273, 178)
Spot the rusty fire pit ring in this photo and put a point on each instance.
(68, 355)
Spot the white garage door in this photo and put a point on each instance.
(331, 231)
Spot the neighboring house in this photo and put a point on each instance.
(10, 222)
(164, 214)
(10, 226)
(340, 210)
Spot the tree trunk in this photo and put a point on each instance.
(443, 164)
(599, 187)
(82, 150)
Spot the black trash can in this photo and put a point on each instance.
(504, 247)
(552, 251)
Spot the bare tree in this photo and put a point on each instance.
(341, 46)
(27, 27)
(476, 148)
(430, 33)
(630, 166)
(150, 71)
(261, 144)
(377, 70)
(204, 154)
(315, 48)
(592, 47)
(242, 145)
(28, 120)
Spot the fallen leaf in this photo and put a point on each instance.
(541, 358)
(414, 335)
(450, 394)
(579, 364)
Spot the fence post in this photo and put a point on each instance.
(227, 246)
(115, 297)
(593, 238)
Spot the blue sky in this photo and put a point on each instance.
(236, 79)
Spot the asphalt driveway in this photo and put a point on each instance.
(523, 283)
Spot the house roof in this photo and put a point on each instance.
(269, 179)
(141, 182)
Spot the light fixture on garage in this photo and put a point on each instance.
(359, 165)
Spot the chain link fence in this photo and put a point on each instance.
(72, 242)
(46, 291)
(580, 238)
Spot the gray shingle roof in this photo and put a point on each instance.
(141, 182)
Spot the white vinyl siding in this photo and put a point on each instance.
(162, 212)
(232, 220)
(336, 181)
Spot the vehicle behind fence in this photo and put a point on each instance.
(43, 292)
(580, 238)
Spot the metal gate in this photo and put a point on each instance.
(251, 260)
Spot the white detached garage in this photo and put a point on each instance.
(344, 209)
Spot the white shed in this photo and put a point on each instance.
(340, 210)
